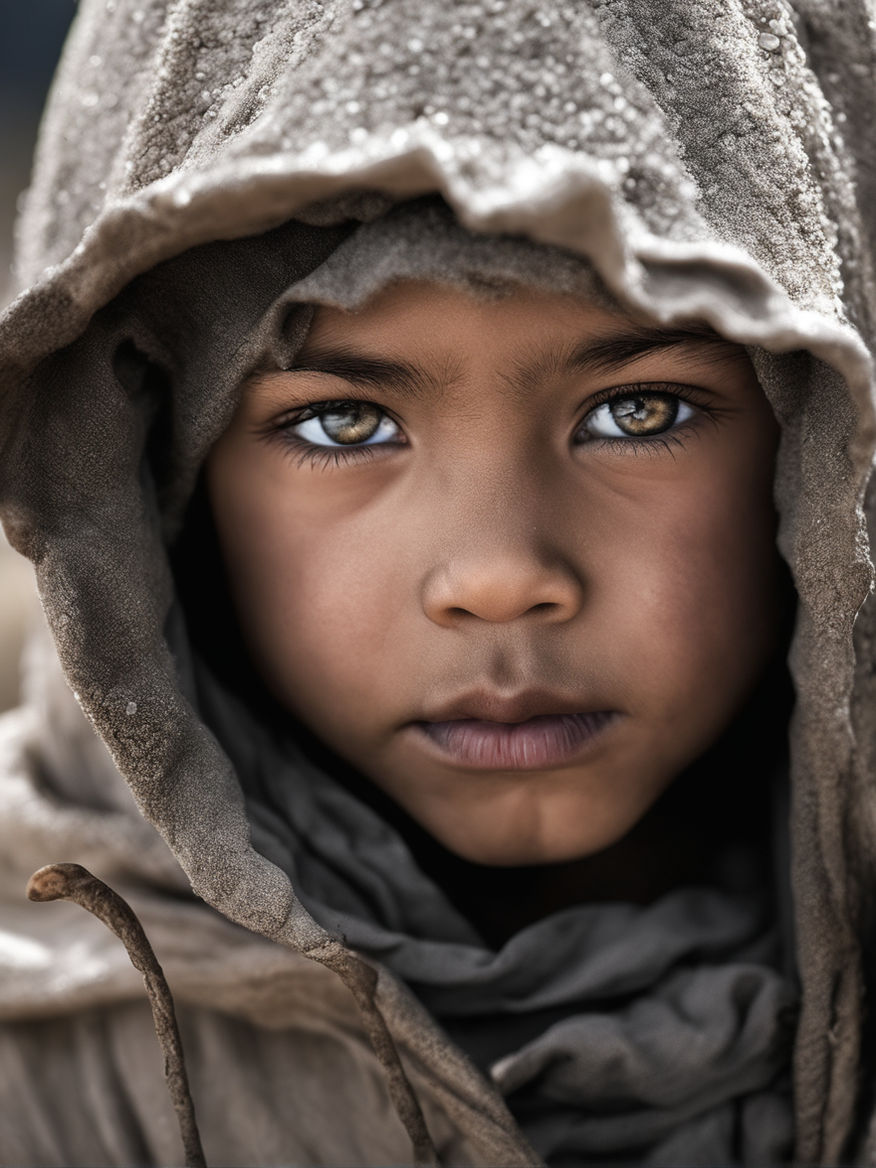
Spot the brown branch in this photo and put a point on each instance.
(73, 882)
(361, 979)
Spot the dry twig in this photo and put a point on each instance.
(73, 882)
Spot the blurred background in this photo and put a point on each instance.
(31, 36)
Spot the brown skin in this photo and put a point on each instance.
(498, 541)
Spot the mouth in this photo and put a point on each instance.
(490, 733)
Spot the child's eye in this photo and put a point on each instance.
(637, 415)
(345, 423)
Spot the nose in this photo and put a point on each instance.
(509, 582)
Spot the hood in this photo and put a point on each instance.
(709, 160)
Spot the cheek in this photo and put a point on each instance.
(314, 590)
(700, 575)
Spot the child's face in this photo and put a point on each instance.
(517, 574)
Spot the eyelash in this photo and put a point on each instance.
(665, 440)
(323, 457)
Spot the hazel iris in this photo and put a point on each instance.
(351, 422)
(645, 413)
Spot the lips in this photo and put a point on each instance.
(529, 731)
(485, 705)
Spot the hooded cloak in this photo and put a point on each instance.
(206, 172)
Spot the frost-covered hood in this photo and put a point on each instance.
(710, 159)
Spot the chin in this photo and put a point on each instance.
(557, 827)
(519, 850)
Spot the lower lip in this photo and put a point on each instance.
(538, 743)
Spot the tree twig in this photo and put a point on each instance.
(73, 882)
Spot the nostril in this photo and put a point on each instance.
(455, 611)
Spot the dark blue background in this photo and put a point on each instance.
(31, 35)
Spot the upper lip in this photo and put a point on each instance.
(488, 706)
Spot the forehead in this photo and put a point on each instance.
(533, 332)
(400, 311)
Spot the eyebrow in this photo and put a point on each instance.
(405, 378)
(596, 355)
(613, 351)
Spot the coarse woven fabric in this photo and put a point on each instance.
(588, 127)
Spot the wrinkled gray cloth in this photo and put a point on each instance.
(712, 160)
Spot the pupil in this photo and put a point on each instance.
(352, 422)
(646, 414)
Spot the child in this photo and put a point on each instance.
(398, 418)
